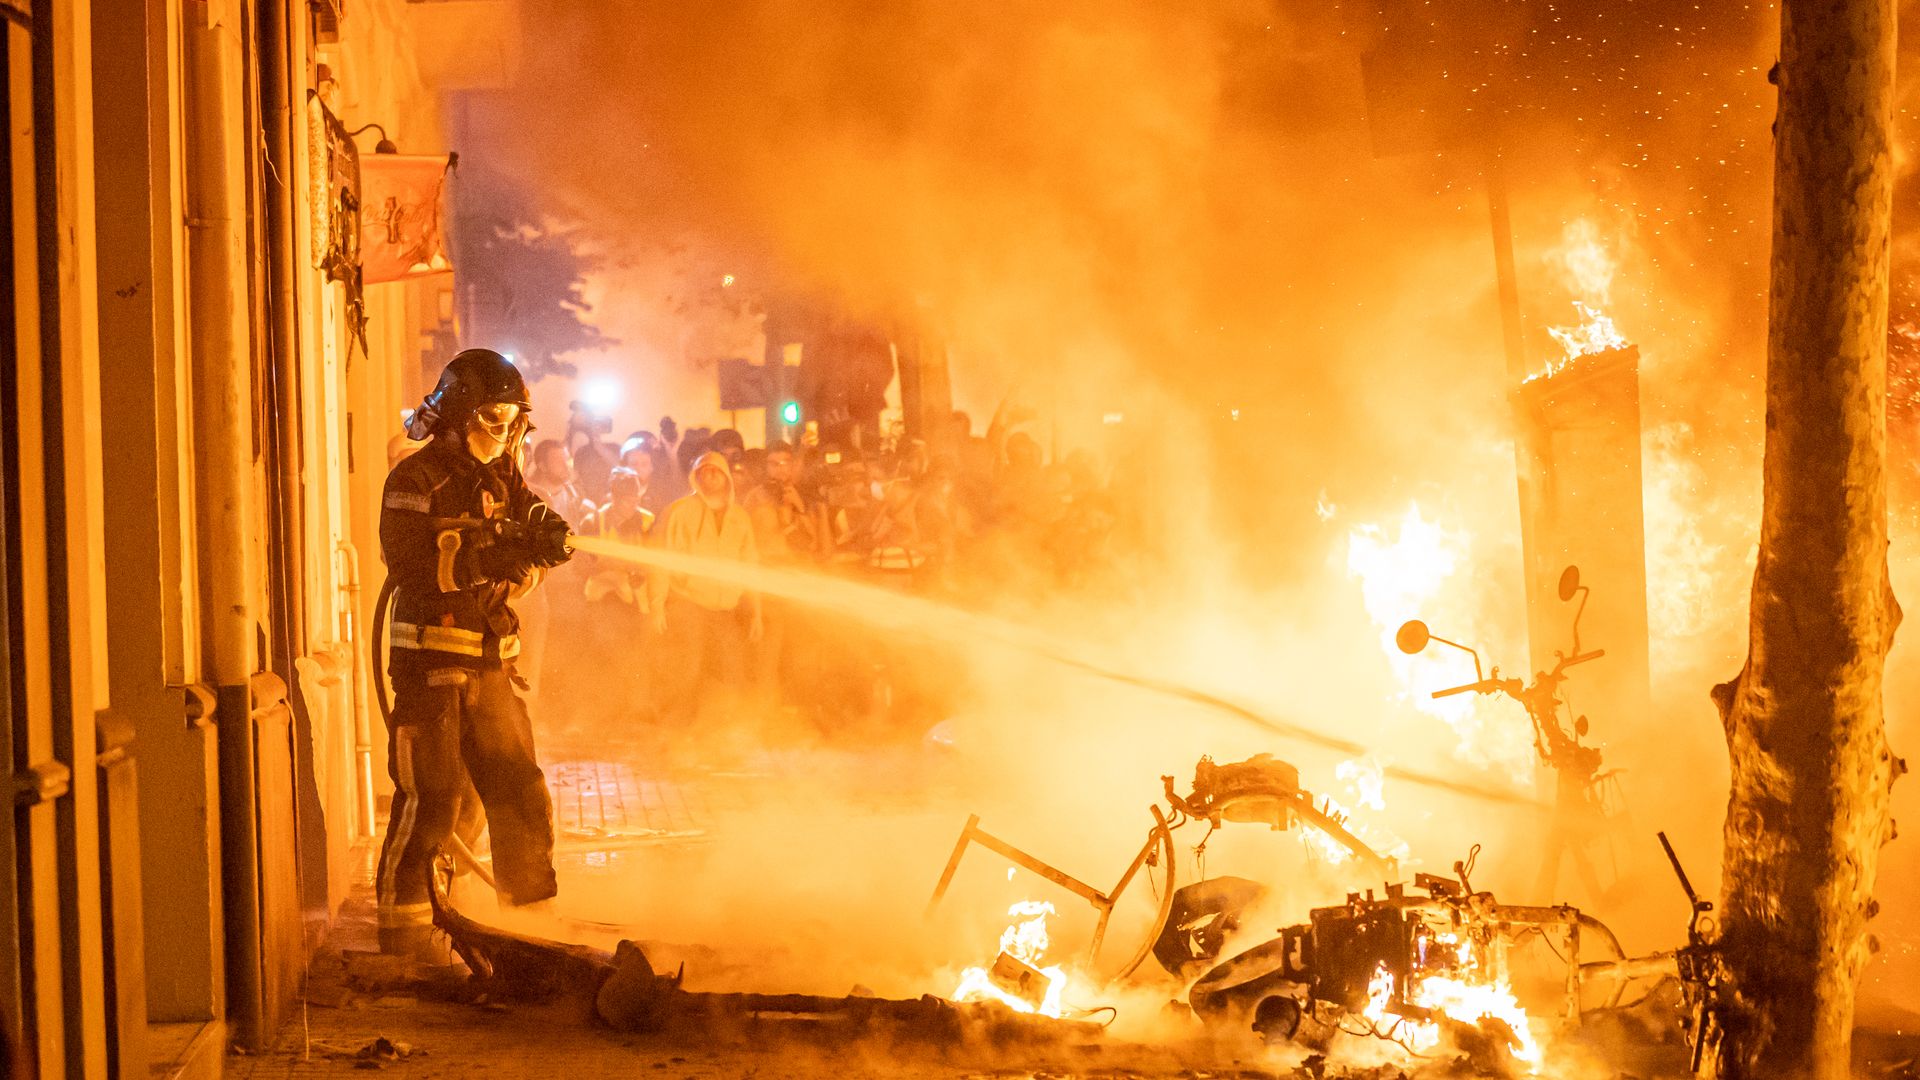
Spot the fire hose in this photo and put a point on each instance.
(382, 605)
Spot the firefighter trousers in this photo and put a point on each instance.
(454, 731)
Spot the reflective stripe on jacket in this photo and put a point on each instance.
(472, 625)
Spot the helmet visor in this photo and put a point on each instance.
(497, 418)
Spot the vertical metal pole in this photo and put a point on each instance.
(1527, 450)
(1510, 324)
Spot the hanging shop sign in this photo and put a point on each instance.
(402, 216)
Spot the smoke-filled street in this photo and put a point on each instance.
(958, 540)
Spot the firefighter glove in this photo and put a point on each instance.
(505, 560)
(547, 535)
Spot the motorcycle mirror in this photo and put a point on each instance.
(1412, 636)
(1580, 726)
(1569, 582)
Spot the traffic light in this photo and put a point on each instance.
(790, 413)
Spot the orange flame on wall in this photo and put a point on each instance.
(1589, 266)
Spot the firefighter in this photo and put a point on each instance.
(462, 535)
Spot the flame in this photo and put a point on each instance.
(1026, 941)
(1324, 508)
(1407, 574)
(1461, 1000)
(1589, 267)
(1469, 1003)
(1365, 779)
(1596, 334)
(1322, 846)
(1379, 993)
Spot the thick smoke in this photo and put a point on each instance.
(1260, 233)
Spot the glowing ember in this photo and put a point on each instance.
(1026, 941)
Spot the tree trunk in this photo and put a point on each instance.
(1812, 770)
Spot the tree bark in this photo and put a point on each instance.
(1812, 770)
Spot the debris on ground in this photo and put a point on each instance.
(636, 998)
(629, 995)
(376, 973)
(378, 1053)
(510, 966)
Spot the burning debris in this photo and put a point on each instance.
(1401, 968)
(1016, 978)
(1260, 790)
(629, 995)
(1265, 790)
(1157, 851)
(1595, 334)
(1427, 967)
(1433, 967)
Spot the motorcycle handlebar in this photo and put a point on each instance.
(1515, 686)
(1484, 686)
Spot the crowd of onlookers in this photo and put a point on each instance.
(682, 657)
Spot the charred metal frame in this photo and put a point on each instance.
(1158, 849)
(1260, 790)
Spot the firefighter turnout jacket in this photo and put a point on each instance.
(452, 578)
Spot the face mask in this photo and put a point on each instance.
(492, 429)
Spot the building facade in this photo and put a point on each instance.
(197, 396)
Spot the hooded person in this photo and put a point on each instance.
(709, 623)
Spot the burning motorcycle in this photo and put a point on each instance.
(1190, 924)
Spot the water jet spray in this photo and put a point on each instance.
(892, 611)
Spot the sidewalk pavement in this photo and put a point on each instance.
(364, 1012)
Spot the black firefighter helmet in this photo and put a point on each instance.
(474, 378)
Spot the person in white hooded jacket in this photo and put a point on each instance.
(708, 624)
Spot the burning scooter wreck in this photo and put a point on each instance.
(1428, 968)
